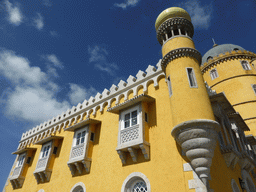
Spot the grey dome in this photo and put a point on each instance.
(215, 51)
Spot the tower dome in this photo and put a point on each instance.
(171, 12)
(220, 49)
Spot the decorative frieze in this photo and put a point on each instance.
(180, 52)
(226, 57)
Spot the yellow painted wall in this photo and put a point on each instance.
(177, 42)
(107, 172)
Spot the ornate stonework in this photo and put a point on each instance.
(180, 52)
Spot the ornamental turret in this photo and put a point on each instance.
(194, 126)
(231, 69)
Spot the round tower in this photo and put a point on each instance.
(231, 69)
(194, 123)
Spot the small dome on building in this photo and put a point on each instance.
(171, 13)
(220, 49)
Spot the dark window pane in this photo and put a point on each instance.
(127, 123)
(127, 117)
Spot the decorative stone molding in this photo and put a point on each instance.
(197, 139)
(78, 186)
(133, 177)
(180, 52)
(195, 183)
(249, 184)
(234, 186)
(225, 57)
(172, 23)
(90, 107)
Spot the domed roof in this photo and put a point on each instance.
(170, 13)
(218, 49)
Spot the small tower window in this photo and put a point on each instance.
(208, 58)
(236, 49)
(191, 77)
(254, 88)
(214, 74)
(169, 86)
(245, 64)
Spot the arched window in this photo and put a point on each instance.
(136, 182)
(249, 185)
(234, 185)
(208, 58)
(79, 187)
(236, 49)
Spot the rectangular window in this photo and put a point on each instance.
(130, 119)
(254, 88)
(169, 86)
(21, 160)
(80, 137)
(245, 65)
(191, 77)
(214, 74)
(45, 150)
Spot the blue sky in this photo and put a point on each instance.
(55, 54)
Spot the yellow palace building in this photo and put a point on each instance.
(188, 124)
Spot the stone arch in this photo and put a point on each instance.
(133, 179)
(249, 184)
(78, 187)
(234, 186)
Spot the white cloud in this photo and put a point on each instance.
(39, 21)
(79, 93)
(34, 104)
(127, 3)
(14, 14)
(98, 56)
(53, 60)
(32, 96)
(200, 15)
(18, 70)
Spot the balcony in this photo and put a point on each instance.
(79, 159)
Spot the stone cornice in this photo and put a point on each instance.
(225, 57)
(180, 52)
(171, 24)
(90, 107)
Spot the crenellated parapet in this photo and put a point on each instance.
(94, 104)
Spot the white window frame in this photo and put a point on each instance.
(214, 74)
(84, 129)
(19, 163)
(48, 147)
(191, 77)
(245, 64)
(129, 111)
(77, 186)
(132, 179)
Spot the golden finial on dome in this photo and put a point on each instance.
(171, 13)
